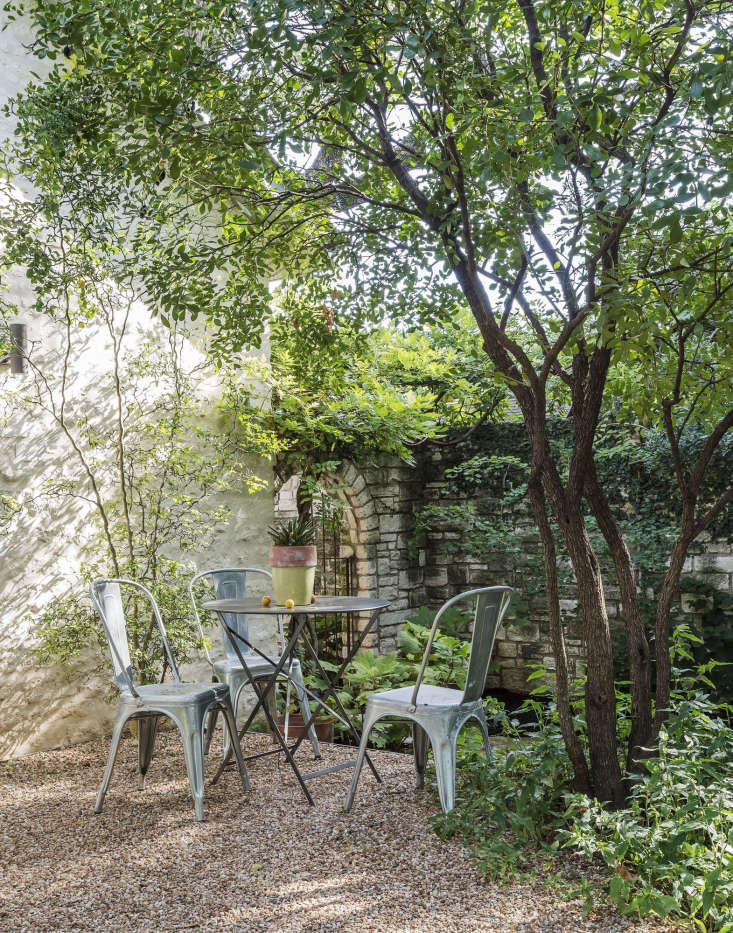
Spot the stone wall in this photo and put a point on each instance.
(383, 500)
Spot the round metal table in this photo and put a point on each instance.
(302, 618)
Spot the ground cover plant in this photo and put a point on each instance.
(667, 851)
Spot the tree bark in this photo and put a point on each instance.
(636, 640)
(600, 692)
(581, 775)
(664, 661)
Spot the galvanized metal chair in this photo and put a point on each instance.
(187, 704)
(231, 583)
(439, 713)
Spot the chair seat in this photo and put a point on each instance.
(428, 695)
(179, 693)
(254, 662)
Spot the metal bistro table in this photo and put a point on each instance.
(301, 627)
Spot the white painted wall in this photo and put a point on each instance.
(39, 560)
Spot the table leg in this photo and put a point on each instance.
(330, 689)
(351, 654)
(261, 694)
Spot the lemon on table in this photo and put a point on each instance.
(289, 603)
(266, 600)
(313, 598)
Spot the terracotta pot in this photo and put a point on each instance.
(324, 727)
(293, 573)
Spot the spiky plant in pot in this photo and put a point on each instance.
(293, 561)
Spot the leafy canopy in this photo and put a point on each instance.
(380, 146)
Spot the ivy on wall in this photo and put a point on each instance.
(483, 506)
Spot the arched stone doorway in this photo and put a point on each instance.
(378, 521)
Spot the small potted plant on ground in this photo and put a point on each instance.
(293, 561)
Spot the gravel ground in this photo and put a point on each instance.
(263, 863)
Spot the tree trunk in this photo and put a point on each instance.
(636, 640)
(600, 692)
(664, 606)
(581, 776)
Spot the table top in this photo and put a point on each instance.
(323, 605)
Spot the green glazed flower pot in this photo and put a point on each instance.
(293, 573)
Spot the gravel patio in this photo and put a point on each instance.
(267, 863)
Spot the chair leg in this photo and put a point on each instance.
(191, 729)
(231, 728)
(420, 750)
(269, 703)
(485, 733)
(211, 719)
(147, 728)
(297, 674)
(369, 720)
(444, 755)
(235, 696)
(210, 726)
(111, 758)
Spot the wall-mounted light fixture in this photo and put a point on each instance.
(17, 349)
(15, 358)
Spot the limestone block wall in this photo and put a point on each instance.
(43, 548)
(383, 500)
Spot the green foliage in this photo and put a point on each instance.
(297, 531)
(448, 661)
(69, 625)
(338, 393)
(670, 848)
(713, 614)
(369, 673)
(511, 806)
(667, 852)
(568, 119)
(8, 510)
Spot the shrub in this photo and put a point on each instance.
(671, 848)
(668, 852)
(509, 807)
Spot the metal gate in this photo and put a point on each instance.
(336, 575)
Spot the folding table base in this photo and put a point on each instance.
(300, 621)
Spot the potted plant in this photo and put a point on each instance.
(296, 726)
(293, 561)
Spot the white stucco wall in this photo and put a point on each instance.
(39, 560)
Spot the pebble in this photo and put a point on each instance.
(262, 863)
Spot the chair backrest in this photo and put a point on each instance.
(491, 604)
(229, 583)
(107, 600)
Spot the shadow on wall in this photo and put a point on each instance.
(72, 708)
